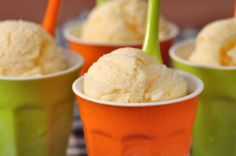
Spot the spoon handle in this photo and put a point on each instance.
(50, 18)
(151, 41)
(235, 8)
(98, 2)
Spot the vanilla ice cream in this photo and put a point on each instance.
(216, 44)
(130, 75)
(118, 21)
(26, 49)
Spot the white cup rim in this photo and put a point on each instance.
(195, 93)
(174, 56)
(71, 24)
(76, 66)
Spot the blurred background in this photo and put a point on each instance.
(186, 13)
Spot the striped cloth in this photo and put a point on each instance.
(76, 143)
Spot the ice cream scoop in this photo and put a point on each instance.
(26, 49)
(216, 44)
(118, 21)
(130, 75)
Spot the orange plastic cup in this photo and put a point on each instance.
(139, 129)
(92, 51)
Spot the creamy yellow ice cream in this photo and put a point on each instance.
(26, 49)
(118, 21)
(216, 44)
(130, 75)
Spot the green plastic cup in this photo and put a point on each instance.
(36, 113)
(214, 132)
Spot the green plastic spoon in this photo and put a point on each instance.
(98, 2)
(151, 45)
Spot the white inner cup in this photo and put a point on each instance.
(195, 87)
(74, 61)
(69, 26)
(182, 50)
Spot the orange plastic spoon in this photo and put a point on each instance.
(50, 17)
(234, 8)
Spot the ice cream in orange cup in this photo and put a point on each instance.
(157, 128)
(160, 126)
(91, 50)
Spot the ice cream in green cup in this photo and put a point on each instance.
(36, 109)
(36, 113)
(214, 130)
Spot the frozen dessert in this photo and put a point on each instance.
(216, 44)
(130, 75)
(26, 49)
(118, 21)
